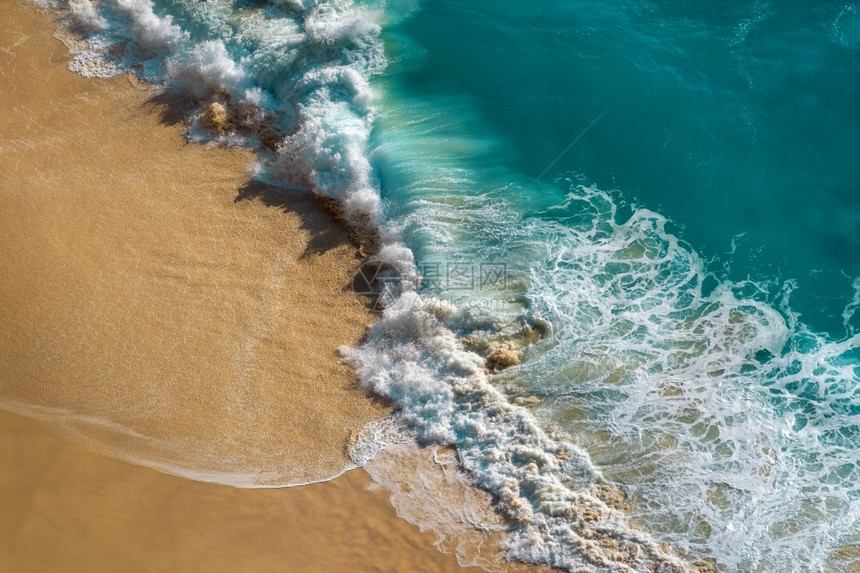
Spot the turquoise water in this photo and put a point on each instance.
(740, 124)
(716, 377)
(737, 121)
(671, 191)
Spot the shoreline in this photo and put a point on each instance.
(76, 510)
(157, 292)
(208, 444)
(163, 307)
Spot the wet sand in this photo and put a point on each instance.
(159, 307)
(157, 304)
(65, 508)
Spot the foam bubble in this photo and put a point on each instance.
(148, 31)
(206, 68)
(84, 16)
(707, 402)
(333, 22)
(544, 485)
(428, 490)
(376, 437)
(297, 5)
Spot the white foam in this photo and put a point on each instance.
(205, 69)
(85, 16)
(543, 485)
(850, 310)
(714, 402)
(377, 436)
(428, 490)
(148, 31)
(297, 5)
(329, 152)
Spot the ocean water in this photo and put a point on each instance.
(650, 211)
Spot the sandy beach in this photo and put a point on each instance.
(66, 508)
(160, 307)
(158, 304)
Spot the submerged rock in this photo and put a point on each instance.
(215, 117)
(502, 358)
(527, 401)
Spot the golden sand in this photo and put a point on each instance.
(65, 508)
(155, 303)
(158, 306)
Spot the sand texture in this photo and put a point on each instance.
(159, 306)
